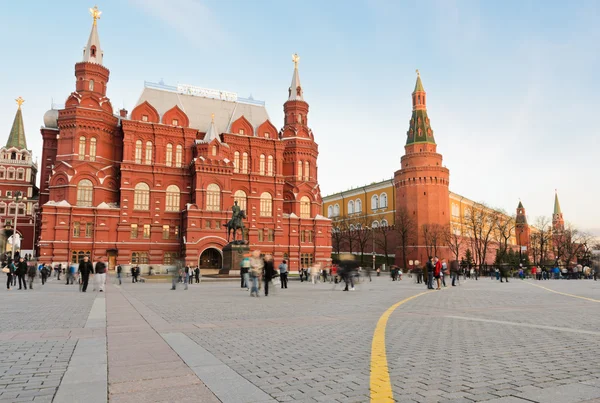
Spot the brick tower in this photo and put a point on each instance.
(522, 230)
(422, 182)
(558, 222)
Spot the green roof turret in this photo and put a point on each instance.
(17, 132)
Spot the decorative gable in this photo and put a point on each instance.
(146, 113)
(176, 117)
(267, 130)
(242, 126)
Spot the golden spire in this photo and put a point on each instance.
(212, 117)
(95, 13)
(20, 101)
(418, 74)
(295, 59)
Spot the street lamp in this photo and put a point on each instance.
(18, 197)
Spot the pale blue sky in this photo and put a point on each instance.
(512, 86)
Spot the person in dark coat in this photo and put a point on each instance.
(268, 272)
(197, 274)
(22, 272)
(85, 268)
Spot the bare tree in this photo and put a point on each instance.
(382, 237)
(338, 234)
(406, 234)
(360, 232)
(569, 244)
(480, 222)
(453, 240)
(504, 230)
(433, 234)
(541, 238)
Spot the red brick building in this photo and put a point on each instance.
(18, 190)
(159, 183)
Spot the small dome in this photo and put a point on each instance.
(51, 119)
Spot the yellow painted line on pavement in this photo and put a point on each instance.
(381, 387)
(564, 293)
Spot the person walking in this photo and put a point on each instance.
(268, 272)
(197, 274)
(454, 267)
(70, 275)
(44, 273)
(58, 271)
(186, 277)
(10, 273)
(503, 274)
(85, 268)
(31, 273)
(283, 274)
(437, 272)
(100, 271)
(119, 271)
(315, 273)
(133, 275)
(445, 271)
(22, 272)
(245, 271)
(430, 269)
(256, 268)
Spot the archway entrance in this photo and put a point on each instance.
(211, 261)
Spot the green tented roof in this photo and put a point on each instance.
(17, 133)
(556, 205)
(419, 85)
(420, 130)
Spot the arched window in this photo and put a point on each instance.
(172, 199)
(178, 156)
(141, 196)
(374, 202)
(213, 197)
(336, 210)
(261, 165)
(270, 170)
(214, 150)
(299, 172)
(304, 207)
(245, 163)
(148, 152)
(169, 157)
(384, 223)
(85, 192)
(91, 85)
(375, 224)
(350, 207)
(81, 148)
(358, 206)
(138, 151)
(306, 170)
(93, 149)
(383, 200)
(351, 227)
(266, 205)
(236, 162)
(330, 211)
(240, 197)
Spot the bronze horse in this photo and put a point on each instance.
(235, 224)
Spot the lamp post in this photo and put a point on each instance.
(18, 196)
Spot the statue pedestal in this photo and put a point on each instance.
(232, 257)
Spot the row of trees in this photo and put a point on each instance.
(481, 230)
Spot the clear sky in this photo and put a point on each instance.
(512, 86)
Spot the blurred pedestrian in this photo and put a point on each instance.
(268, 272)
(100, 274)
(256, 268)
(85, 268)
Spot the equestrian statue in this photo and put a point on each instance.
(236, 223)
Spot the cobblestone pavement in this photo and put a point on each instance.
(35, 338)
(481, 341)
